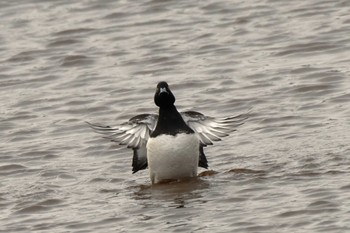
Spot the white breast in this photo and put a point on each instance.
(172, 157)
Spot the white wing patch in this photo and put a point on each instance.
(209, 129)
(133, 133)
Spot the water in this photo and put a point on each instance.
(65, 62)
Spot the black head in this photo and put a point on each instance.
(163, 97)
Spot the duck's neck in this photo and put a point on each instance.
(170, 122)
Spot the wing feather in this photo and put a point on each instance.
(209, 129)
(132, 133)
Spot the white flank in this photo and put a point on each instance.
(172, 157)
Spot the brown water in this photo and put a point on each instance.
(287, 169)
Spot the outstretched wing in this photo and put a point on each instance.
(134, 134)
(209, 129)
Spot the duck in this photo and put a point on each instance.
(171, 143)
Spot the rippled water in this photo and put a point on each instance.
(65, 62)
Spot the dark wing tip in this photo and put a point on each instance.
(138, 162)
(203, 162)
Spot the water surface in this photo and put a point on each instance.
(65, 62)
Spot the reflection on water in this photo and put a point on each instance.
(176, 192)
